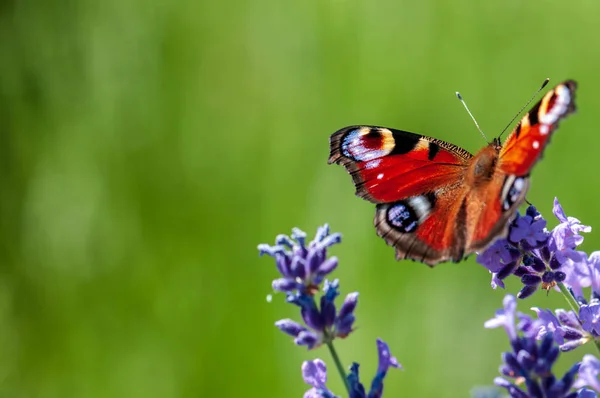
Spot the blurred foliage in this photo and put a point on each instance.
(147, 147)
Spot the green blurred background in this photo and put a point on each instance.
(147, 147)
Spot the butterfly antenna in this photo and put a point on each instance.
(525, 106)
(460, 98)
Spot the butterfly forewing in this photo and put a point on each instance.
(387, 165)
(526, 142)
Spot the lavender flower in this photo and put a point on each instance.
(530, 363)
(539, 257)
(572, 329)
(324, 322)
(564, 327)
(303, 269)
(315, 374)
(588, 373)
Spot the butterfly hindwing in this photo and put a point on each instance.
(427, 228)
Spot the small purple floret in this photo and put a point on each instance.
(345, 319)
(386, 361)
(497, 255)
(314, 374)
(589, 314)
(588, 373)
(505, 317)
(529, 230)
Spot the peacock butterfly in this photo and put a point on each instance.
(436, 201)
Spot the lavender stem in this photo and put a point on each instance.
(338, 365)
(569, 297)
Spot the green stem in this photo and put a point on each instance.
(569, 297)
(338, 365)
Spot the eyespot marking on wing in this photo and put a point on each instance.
(512, 190)
(365, 143)
(555, 104)
(406, 215)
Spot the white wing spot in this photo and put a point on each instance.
(421, 206)
(544, 129)
(379, 176)
(519, 184)
(371, 164)
(536, 144)
(560, 106)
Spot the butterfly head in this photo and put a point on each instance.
(496, 144)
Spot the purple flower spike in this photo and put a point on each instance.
(302, 267)
(314, 374)
(542, 259)
(527, 369)
(386, 361)
(588, 373)
(357, 390)
(533, 363)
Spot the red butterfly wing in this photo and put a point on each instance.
(427, 228)
(521, 150)
(416, 180)
(526, 142)
(388, 165)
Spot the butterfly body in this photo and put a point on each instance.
(436, 201)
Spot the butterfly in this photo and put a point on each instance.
(436, 201)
